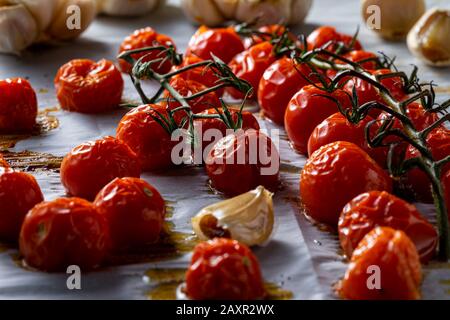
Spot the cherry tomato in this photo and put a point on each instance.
(142, 38)
(18, 106)
(268, 33)
(87, 86)
(358, 56)
(334, 175)
(306, 110)
(19, 192)
(145, 136)
(278, 84)
(91, 165)
(224, 43)
(64, 232)
(399, 270)
(242, 161)
(438, 141)
(134, 210)
(381, 209)
(337, 128)
(188, 88)
(224, 269)
(322, 35)
(250, 65)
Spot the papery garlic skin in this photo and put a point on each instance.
(127, 8)
(396, 17)
(203, 12)
(41, 10)
(429, 39)
(248, 218)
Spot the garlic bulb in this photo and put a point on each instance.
(429, 39)
(127, 8)
(216, 12)
(247, 218)
(392, 19)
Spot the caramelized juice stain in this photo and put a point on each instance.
(276, 292)
(288, 168)
(32, 161)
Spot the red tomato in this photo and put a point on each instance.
(242, 161)
(91, 165)
(142, 38)
(334, 175)
(87, 86)
(337, 128)
(64, 232)
(270, 31)
(381, 209)
(277, 86)
(224, 43)
(18, 106)
(19, 192)
(134, 210)
(394, 84)
(324, 34)
(399, 270)
(188, 88)
(151, 142)
(224, 269)
(250, 65)
(356, 56)
(438, 141)
(306, 110)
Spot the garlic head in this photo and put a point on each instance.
(204, 12)
(127, 8)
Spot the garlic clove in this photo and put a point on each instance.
(429, 39)
(264, 12)
(41, 10)
(203, 12)
(227, 8)
(247, 218)
(127, 8)
(18, 29)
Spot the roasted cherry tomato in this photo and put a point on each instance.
(143, 38)
(87, 86)
(224, 269)
(224, 43)
(279, 83)
(64, 232)
(397, 269)
(334, 175)
(358, 56)
(134, 210)
(337, 128)
(242, 161)
(322, 35)
(91, 165)
(382, 209)
(145, 136)
(19, 192)
(18, 106)
(188, 88)
(438, 141)
(250, 65)
(267, 33)
(306, 110)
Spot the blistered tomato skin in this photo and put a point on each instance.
(306, 110)
(146, 137)
(242, 161)
(224, 269)
(398, 267)
(142, 38)
(224, 43)
(18, 106)
(91, 165)
(250, 65)
(381, 209)
(134, 210)
(64, 232)
(267, 33)
(338, 172)
(324, 34)
(19, 192)
(87, 86)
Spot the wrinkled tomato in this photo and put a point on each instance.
(334, 175)
(18, 106)
(224, 269)
(324, 34)
(87, 86)
(267, 33)
(91, 165)
(358, 56)
(64, 232)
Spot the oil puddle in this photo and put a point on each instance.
(28, 161)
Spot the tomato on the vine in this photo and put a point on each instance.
(87, 86)
(357, 56)
(224, 269)
(267, 33)
(324, 34)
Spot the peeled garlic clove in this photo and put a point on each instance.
(429, 39)
(203, 12)
(71, 18)
(247, 218)
(395, 18)
(18, 29)
(128, 8)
